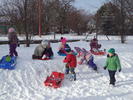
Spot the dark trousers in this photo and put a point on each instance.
(48, 52)
(13, 49)
(112, 77)
(71, 69)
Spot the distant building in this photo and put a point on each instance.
(4, 24)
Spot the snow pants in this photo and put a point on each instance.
(12, 48)
(92, 64)
(71, 70)
(112, 77)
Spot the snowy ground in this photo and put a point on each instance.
(26, 81)
(68, 36)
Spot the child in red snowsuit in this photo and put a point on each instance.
(71, 63)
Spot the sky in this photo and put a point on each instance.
(91, 6)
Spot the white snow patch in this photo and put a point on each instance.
(26, 81)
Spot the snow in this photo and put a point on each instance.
(68, 36)
(48, 37)
(26, 81)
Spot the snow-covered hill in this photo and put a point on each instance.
(26, 81)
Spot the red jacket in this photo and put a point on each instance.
(71, 60)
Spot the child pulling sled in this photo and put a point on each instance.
(13, 41)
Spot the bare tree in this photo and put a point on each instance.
(126, 7)
(78, 21)
(32, 16)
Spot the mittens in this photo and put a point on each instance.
(119, 70)
(105, 68)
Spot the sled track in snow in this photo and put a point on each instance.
(26, 81)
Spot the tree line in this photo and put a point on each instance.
(115, 17)
(44, 16)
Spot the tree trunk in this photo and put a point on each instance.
(122, 22)
(27, 35)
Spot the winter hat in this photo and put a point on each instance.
(63, 40)
(111, 50)
(45, 43)
(10, 30)
(68, 50)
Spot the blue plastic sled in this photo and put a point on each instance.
(8, 65)
(61, 54)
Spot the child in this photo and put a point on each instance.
(94, 45)
(63, 46)
(112, 64)
(48, 53)
(71, 63)
(13, 42)
(63, 40)
(43, 50)
(88, 58)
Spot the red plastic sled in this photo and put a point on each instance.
(98, 53)
(54, 80)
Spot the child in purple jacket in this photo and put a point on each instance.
(13, 41)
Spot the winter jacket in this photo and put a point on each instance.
(113, 63)
(94, 44)
(12, 37)
(39, 50)
(63, 47)
(71, 60)
(48, 52)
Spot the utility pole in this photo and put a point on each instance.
(39, 17)
(122, 29)
(27, 35)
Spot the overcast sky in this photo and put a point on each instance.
(89, 5)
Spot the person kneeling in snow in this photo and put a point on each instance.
(48, 53)
(89, 60)
(112, 64)
(43, 51)
(71, 63)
